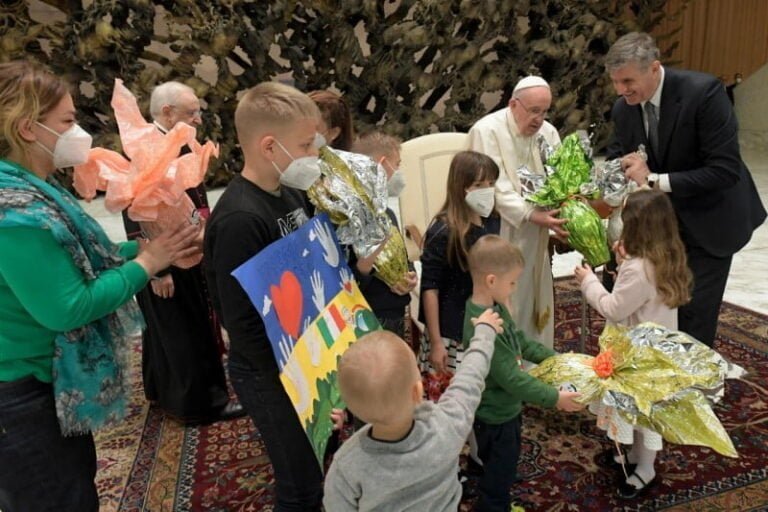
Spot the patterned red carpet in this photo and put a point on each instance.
(153, 464)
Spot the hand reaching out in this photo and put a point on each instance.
(365, 265)
(167, 247)
(331, 251)
(489, 317)
(292, 370)
(346, 277)
(404, 286)
(582, 272)
(312, 341)
(163, 286)
(548, 219)
(635, 168)
(338, 417)
(567, 401)
(286, 347)
(318, 290)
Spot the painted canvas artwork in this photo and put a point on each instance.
(313, 311)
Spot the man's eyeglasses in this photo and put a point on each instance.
(535, 111)
(190, 113)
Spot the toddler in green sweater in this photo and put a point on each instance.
(495, 266)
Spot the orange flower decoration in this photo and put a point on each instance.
(603, 364)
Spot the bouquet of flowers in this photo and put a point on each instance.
(151, 182)
(654, 377)
(354, 195)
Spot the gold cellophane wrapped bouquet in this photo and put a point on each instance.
(654, 377)
(353, 193)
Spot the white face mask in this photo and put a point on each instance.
(481, 200)
(72, 147)
(396, 183)
(301, 173)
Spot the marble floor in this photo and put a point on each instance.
(747, 282)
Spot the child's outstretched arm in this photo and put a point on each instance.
(461, 398)
(540, 392)
(631, 290)
(566, 401)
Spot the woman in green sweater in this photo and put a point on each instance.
(66, 308)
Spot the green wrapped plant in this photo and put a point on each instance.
(586, 231)
(571, 165)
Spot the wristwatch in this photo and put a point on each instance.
(653, 180)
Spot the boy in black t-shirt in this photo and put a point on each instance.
(276, 128)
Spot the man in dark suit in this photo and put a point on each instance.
(690, 132)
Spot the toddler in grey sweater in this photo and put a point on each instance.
(406, 458)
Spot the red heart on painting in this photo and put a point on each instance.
(348, 286)
(288, 302)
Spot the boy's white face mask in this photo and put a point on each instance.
(395, 183)
(301, 173)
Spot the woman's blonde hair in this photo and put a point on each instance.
(466, 168)
(27, 91)
(651, 232)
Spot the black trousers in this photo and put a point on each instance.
(499, 448)
(41, 470)
(298, 479)
(710, 274)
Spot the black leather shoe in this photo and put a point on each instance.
(630, 492)
(468, 485)
(474, 468)
(230, 411)
(606, 459)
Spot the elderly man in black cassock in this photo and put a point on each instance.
(182, 344)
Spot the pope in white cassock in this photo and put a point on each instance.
(509, 136)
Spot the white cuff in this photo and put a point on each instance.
(529, 209)
(664, 184)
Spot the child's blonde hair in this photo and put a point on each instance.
(650, 231)
(376, 376)
(376, 145)
(271, 105)
(491, 254)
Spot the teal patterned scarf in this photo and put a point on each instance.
(90, 363)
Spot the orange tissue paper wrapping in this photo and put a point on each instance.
(152, 180)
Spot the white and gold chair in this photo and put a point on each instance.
(425, 163)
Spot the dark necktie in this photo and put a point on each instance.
(653, 127)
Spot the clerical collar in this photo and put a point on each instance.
(160, 127)
(656, 98)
